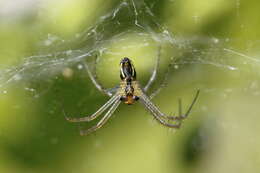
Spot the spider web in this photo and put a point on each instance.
(109, 38)
(131, 29)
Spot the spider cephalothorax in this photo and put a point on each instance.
(128, 92)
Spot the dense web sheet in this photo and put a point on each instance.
(129, 17)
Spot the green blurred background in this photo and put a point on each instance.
(215, 45)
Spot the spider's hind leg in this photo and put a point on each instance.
(164, 80)
(155, 71)
(94, 79)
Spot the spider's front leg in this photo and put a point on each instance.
(158, 117)
(161, 117)
(103, 120)
(114, 99)
(182, 116)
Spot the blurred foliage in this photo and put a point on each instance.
(220, 134)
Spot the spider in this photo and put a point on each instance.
(129, 92)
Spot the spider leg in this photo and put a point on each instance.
(94, 79)
(155, 71)
(96, 114)
(113, 90)
(103, 120)
(182, 116)
(158, 117)
(164, 81)
(148, 102)
(180, 107)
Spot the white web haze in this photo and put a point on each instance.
(130, 26)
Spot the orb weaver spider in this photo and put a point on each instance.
(130, 91)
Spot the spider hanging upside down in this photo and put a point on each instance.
(129, 92)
